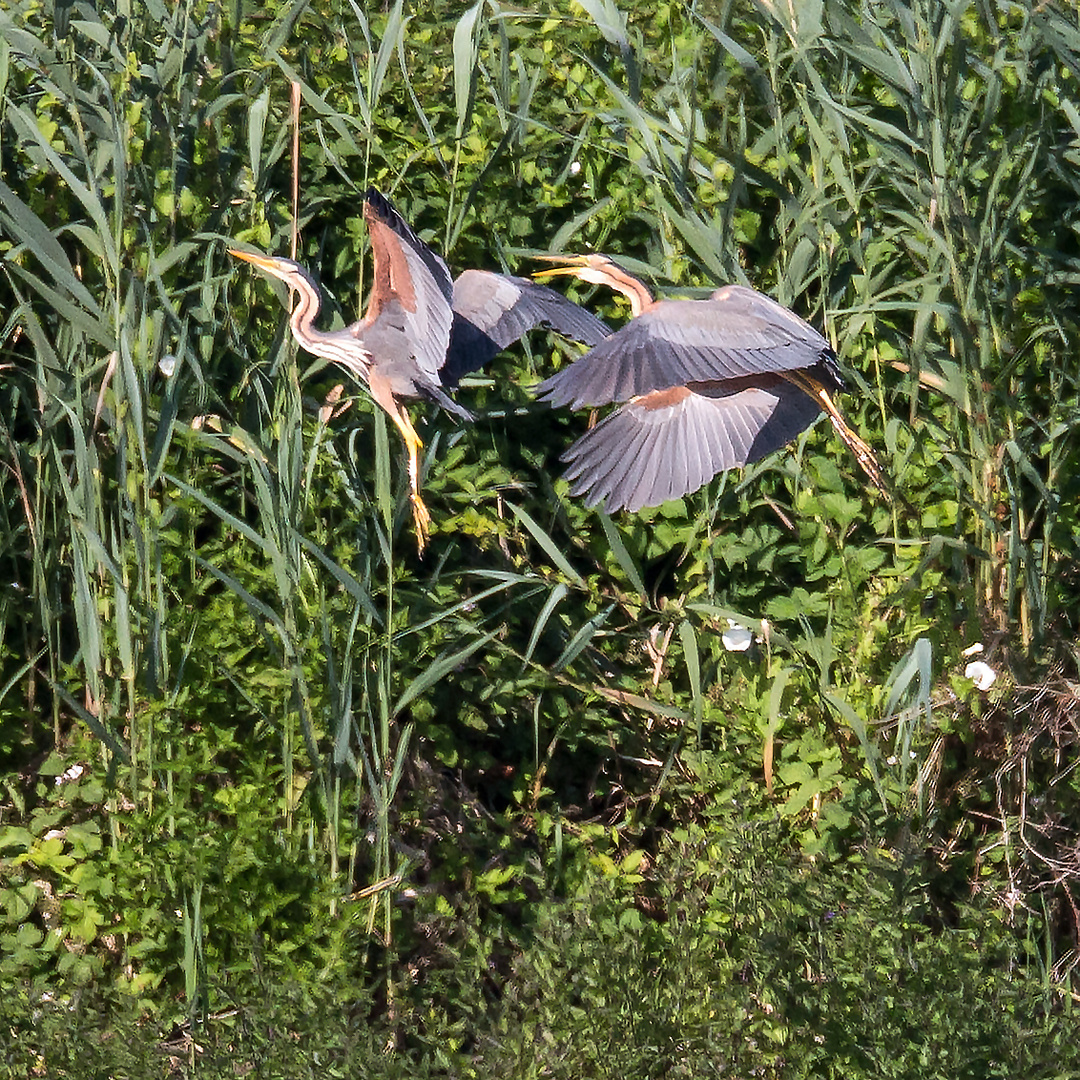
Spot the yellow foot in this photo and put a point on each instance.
(421, 521)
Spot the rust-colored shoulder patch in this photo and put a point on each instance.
(392, 275)
(661, 399)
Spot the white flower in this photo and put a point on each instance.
(973, 650)
(575, 168)
(70, 774)
(981, 674)
(736, 638)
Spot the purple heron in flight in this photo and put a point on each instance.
(421, 331)
(705, 385)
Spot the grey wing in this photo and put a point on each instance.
(412, 291)
(492, 311)
(671, 442)
(734, 333)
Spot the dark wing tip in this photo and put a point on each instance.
(550, 390)
(830, 370)
(492, 311)
(549, 309)
(378, 208)
(378, 201)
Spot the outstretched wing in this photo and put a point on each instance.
(735, 333)
(670, 442)
(492, 311)
(410, 304)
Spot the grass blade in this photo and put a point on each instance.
(549, 546)
(437, 669)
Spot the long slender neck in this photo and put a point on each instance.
(340, 346)
(302, 319)
(635, 290)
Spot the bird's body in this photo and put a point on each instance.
(420, 333)
(704, 386)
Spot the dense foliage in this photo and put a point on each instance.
(279, 794)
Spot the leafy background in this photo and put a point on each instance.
(280, 796)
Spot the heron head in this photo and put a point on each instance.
(593, 268)
(287, 270)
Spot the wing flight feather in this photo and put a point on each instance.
(642, 455)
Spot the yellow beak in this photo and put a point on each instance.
(566, 265)
(263, 262)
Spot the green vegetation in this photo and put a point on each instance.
(281, 798)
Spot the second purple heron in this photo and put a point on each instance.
(703, 386)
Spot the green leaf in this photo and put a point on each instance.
(693, 668)
(256, 119)
(439, 668)
(555, 597)
(622, 556)
(581, 639)
(545, 541)
(465, 50)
